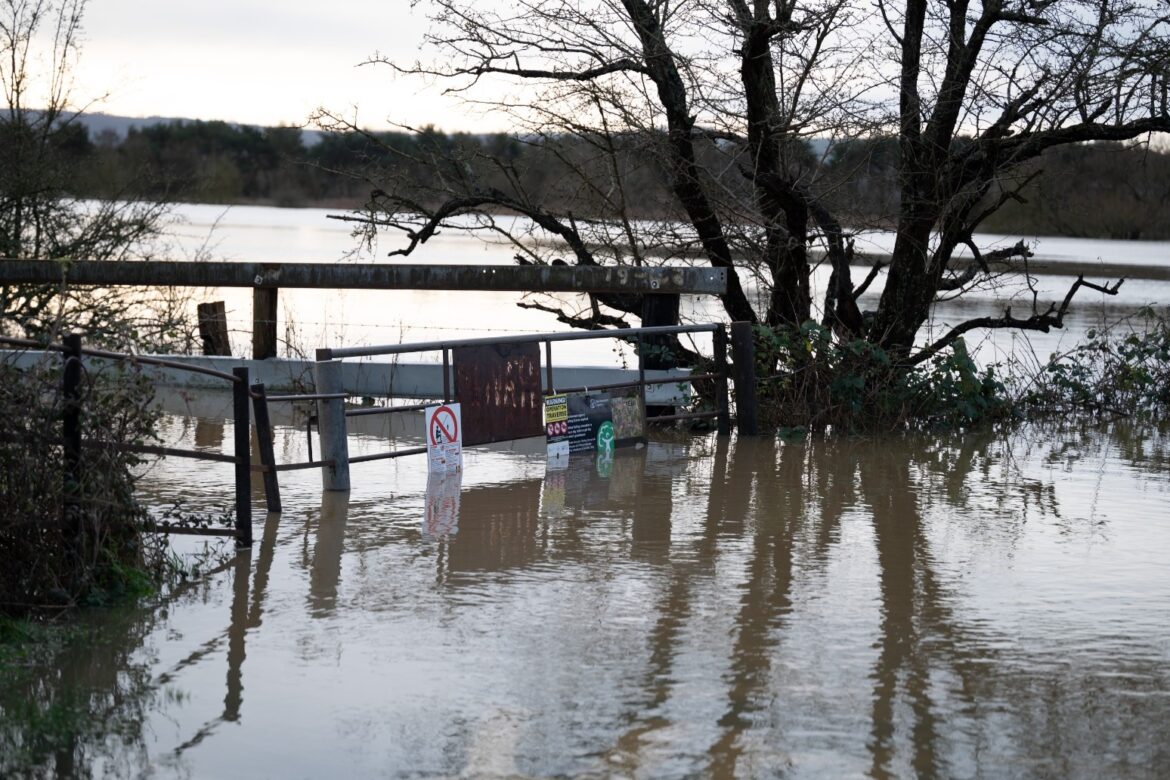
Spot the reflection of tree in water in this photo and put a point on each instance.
(767, 592)
(82, 712)
(85, 708)
(1141, 446)
(948, 695)
(930, 666)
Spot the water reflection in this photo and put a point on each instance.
(325, 573)
(499, 528)
(981, 605)
(443, 501)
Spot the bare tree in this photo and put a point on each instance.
(723, 105)
(41, 146)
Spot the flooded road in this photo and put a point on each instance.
(980, 606)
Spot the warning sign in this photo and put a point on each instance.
(444, 438)
(578, 422)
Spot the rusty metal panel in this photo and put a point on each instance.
(498, 386)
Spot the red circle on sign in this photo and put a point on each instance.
(443, 423)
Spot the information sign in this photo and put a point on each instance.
(578, 422)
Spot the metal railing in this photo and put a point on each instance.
(329, 389)
(329, 396)
(74, 443)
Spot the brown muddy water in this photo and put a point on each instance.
(975, 605)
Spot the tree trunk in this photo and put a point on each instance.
(905, 302)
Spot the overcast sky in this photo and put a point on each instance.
(258, 62)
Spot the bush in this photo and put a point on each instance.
(55, 554)
(812, 382)
(1123, 370)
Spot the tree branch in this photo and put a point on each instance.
(1053, 317)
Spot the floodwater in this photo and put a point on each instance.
(966, 606)
(333, 318)
(979, 605)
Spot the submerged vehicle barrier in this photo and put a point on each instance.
(513, 379)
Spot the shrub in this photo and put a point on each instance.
(56, 554)
(812, 382)
(1123, 370)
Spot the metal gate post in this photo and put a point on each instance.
(264, 444)
(720, 353)
(331, 425)
(71, 436)
(743, 356)
(243, 457)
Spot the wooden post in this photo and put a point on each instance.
(331, 426)
(213, 328)
(71, 433)
(264, 300)
(264, 444)
(720, 352)
(656, 351)
(743, 356)
(243, 457)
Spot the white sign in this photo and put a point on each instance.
(558, 454)
(444, 438)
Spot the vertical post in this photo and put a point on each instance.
(264, 442)
(331, 425)
(71, 433)
(264, 300)
(548, 366)
(743, 356)
(446, 377)
(642, 389)
(659, 310)
(720, 353)
(243, 456)
(213, 328)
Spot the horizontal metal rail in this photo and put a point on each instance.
(662, 280)
(684, 416)
(170, 528)
(150, 449)
(153, 361)
(101, 353)
(435, 346)
(145, 449)
(385, 410)
(305, 397)
(264, 468)
(387, 455)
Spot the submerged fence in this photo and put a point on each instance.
(513, 421)
(74, 443)
(509, 421)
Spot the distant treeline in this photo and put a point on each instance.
(1100, 190)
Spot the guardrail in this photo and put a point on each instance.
(266, 280)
